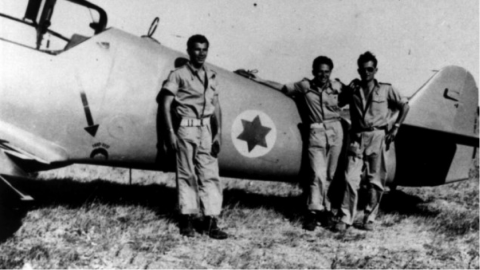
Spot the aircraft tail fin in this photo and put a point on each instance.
(447, 103)
(442, 127)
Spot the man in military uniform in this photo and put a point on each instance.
(192, 92)
(370, 102)
(322, 99)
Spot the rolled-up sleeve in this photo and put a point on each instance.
(394, 98)
(172, 83)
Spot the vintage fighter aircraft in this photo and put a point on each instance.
(93, 101)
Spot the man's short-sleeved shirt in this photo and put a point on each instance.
(194, 98)
(373, 110)
(322, 103)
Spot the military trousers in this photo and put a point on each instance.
(198, 182)
(324, 148)
(364, 152)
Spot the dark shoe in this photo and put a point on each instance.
(212, 229)
(310, 222)
(186, 225)
(340, 227)
(368, 226)
(199, 225)
(327, 220)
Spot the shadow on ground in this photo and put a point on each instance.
(160, 198)
(399, 202)
(12, 211)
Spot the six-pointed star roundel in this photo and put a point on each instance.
(253, 133)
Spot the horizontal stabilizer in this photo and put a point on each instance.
(451, 136)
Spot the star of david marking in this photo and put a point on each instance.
(254, 133)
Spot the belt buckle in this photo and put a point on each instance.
(189, 122)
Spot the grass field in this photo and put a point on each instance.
(91, 217)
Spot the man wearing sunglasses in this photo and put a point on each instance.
(319, 101)
(370, 102)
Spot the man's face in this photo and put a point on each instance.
(367, 71)
(198, 53)
(322, 74)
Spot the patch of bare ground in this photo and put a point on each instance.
(91, 217)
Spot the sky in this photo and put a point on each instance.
(280, 38)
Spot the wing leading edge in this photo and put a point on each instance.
(22, 152)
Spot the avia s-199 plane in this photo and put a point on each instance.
(92, 100)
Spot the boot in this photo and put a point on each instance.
(327, 219)
(212, 229)
(310, 221)
(340, 227)
(368, 225)
(186, 226)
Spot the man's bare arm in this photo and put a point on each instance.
(251, 75)
(275, 85)
(166, 100)
(402, 114)
(216, 127)
(217, 117)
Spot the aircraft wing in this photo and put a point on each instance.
(21, 151)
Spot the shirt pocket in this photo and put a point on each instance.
(379, 103)
(331, 101)
(184, 89)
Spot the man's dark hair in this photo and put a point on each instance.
(367, 57)
(322, 60)
(197, 39)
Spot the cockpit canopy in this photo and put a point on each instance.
(50, 26)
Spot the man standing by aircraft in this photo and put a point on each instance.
(322, 99)
(191, 91)
(369, 110)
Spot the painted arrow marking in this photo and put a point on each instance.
(92, 128)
